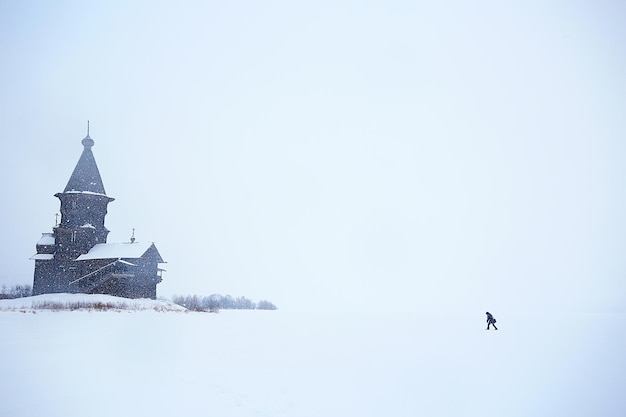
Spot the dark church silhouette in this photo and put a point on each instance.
(76, 258)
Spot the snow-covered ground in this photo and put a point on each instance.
(281, 363)
(85, 302)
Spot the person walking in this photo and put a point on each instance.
(491, 321)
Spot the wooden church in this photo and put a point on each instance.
(76, 258)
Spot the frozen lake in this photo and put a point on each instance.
(280, 363)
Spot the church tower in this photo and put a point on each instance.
(83, 208)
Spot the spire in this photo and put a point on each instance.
(87, 141)
(86, 176)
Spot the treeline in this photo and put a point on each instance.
(216, 302)
(15, 291)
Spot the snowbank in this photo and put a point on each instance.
(97, 302)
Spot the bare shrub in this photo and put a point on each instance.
(78, 305)
(49, 305)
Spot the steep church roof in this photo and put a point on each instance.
(86, 176)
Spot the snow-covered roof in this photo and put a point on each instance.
(84, 192)
(42, 257)
(116, 250)
(47, 239)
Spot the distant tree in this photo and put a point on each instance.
(190, 302)
(266, 305)
(242, 303)
(16, 291)
(23, 290)
(228, 302)
(3, 292)
(215, 302)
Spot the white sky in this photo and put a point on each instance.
(356, 154)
